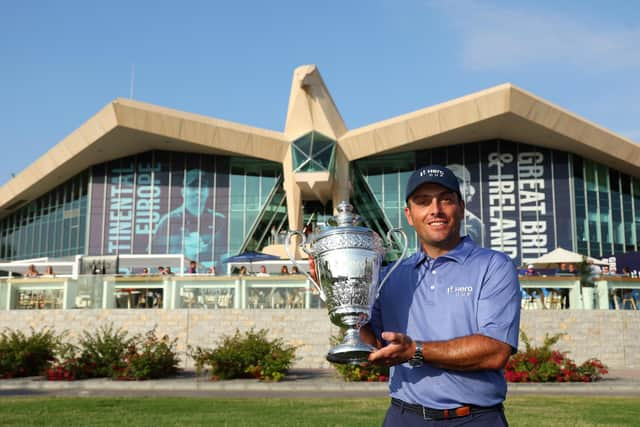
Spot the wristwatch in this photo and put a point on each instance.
(418, 357)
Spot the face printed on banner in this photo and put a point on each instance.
(195, 233)
(472, 225)
(195, 193)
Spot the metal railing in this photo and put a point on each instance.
(158, 292)
(603, 295)
(254, 292)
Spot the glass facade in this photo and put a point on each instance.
(520, 199)
(606, 206)
(205, 207)
(256, 197)
(379, 185)
(53, 225)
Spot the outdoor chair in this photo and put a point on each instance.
(529, 301)
(253, 301)
(295, 299)
(122, 300)
(224, 300)
(210, 300)
(628, 298)
(277, 301)
(24, 301)
(188, 298)
(554, 300)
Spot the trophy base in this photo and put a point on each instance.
(350, 353)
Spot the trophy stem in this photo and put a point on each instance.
(351, 351)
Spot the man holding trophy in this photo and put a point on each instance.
(448, 317)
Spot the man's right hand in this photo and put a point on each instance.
(399, 349)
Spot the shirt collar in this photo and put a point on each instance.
(459, 253)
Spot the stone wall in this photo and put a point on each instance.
(612, 336)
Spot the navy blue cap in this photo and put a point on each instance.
(435, 174)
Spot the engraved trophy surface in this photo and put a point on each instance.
(347, 260)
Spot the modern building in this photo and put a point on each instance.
(142, 179)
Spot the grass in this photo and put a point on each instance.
(88, 411)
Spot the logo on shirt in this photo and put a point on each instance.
(460, 291)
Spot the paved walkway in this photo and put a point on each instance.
(299, 383)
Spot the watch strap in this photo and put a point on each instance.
(418, 357)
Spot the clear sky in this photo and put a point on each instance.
(62, 61)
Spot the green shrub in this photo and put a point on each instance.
(542, 364)
(246, 356)
(24, 356)
(365, 372)
(103, 350)
(149, 359)
(362, 372)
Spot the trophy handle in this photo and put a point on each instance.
(287, 244)
(405, 247)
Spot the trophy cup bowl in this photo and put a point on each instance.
(347, 262)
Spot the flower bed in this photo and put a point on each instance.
(111, 353)
(542, 364)
(105, 352)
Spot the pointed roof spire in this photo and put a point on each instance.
(311, 106)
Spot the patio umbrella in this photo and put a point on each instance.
(250, 257)
(562, 256)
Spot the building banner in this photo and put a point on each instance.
(222, 172)
(501, 211)
(131, 206)
(518, 200)
(510, 194)
(161, 203)
(97, 212)
(162, 180)
(536, 202)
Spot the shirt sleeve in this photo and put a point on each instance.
(499, 303)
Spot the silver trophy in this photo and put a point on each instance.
(347, 260)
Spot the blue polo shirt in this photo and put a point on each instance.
(470, 290)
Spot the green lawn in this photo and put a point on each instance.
(521, 411)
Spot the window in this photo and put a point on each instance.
(313, 152)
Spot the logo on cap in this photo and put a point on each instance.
(432, 172)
